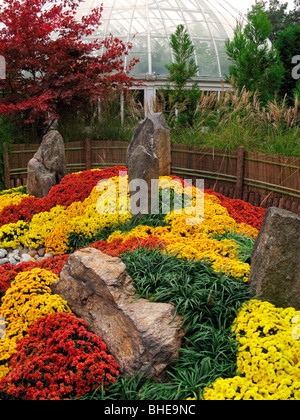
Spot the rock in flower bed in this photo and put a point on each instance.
(202, 270)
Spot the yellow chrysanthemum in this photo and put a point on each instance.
(268, 357)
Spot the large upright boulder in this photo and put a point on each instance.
(153, 135)
(143, 166)
(275, 262)
(143, 336)
(148, 158)
(48, 166)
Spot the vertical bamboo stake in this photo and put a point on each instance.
(88, 154)
(6, 165)
(240, 169)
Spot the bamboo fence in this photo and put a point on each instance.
(260, 179)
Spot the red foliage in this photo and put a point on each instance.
(74, 187)
(58, 359)
(51, 65)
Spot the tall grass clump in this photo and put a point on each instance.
(238, 118)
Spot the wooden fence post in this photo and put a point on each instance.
(6, 165)
(240, 170)
(88, 153)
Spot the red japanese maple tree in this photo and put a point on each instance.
(53, 63)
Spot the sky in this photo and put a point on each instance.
(243, 5)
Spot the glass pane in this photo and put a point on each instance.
(157, 27)
(154, 14)
(190, 5)
(161, 55)
(139, 45)
(100, 32)
(121, 3)
(118, 27)
(224, 61)
(193, 17)
(167, 4)
(142, 66)
(125, 14)
(209, 16)
(199, 29)
(139, 26)
(207, 59)
(229, 30)
(140, 13)
(217, 31)
(172, 15)
(172, 25)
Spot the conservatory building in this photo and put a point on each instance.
(148, 24)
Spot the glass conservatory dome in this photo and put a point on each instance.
(148, 24)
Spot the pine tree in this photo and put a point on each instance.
(184, 68)
(255, 62)
(181, 72)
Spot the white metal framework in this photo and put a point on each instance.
(148, 24)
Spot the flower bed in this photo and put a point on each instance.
(268, 356)
(58, 359)
(202, 268)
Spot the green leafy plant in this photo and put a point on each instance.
(288, 44)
